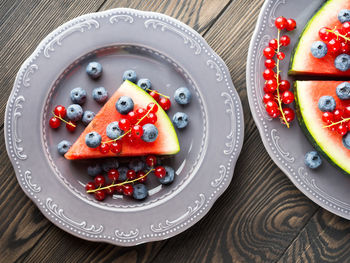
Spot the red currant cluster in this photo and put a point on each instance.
(338, 120)
(132, 127)
(59, 115)
(277, 93)
(101, 187)
(162, 100)
(337, 40)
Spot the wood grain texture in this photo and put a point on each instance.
(262, 217)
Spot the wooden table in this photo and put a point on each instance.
(261, 217)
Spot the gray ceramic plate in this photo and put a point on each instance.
(327, 187)
(170, 54)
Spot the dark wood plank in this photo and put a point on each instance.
(325, 238)
(51, 243)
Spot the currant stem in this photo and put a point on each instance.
(59, 117)
(278, 82)
(138, 122)
(160, 94)
(336, 123)
(113, 185)
(337, 34)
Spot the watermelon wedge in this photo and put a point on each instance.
(327, 142)
(303, 62)
(166, 143)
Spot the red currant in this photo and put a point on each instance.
(325, 35)
(289, 114)
(152, 106)
(71, 126)
(281, 55)
(344, 47)
(348, 125)
(287, 97)
(273, 112)
(141, 174)
(116, 147)
(165, 103)
(268, 97)
(160, 171)
(100, 195)
(110, 190)
(271, 85)
(60, 111)
(137, 131)
(90, 186)
(140, 112)
(285, 40)
(347, 111)
(327, 117)
(273, 44)
(104, 148)
(284, 85)
(281, 22)
(345, 28)
(291, 24)
(271, 105)
(113, 175)
(269, 52)
(270, 63)
(131, 174)
(99, 180)
(128, 189)
(132, 117)
(151, 160)
(54, 122)
(342, 129)
(154, 95)
(338, 114)
(268, 74)
(124, 124)
(334, 45)
(151, 118)
(119, 189)
(130, 138)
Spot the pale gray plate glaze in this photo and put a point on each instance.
(169, 53)
(327, 186)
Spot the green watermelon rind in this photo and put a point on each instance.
(305, 30)
(309, 136)
(172, 132)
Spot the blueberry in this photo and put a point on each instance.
(74, 112)
(87, 117)
(94, 70)
(343, 91)
(111, 163)
(144, 84)
(78, 95)
(124, 105)
(180, 120)
(63, 147)
(313, 160)
(346, 140)
(140, 191)
(94, 169)
(183, 96)
(130, 75)
(93, 139)
(344, 16)
(113, 131)
(319, 49)
(136, 165)
(122, 173)
(150, 132)
(169, 176)
(342, 62)
(326, 103)
(100, 94)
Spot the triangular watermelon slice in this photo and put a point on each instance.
(303, 62)
(327, 142)
(166, 143)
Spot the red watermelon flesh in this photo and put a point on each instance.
(166, 143)
(303, 62)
